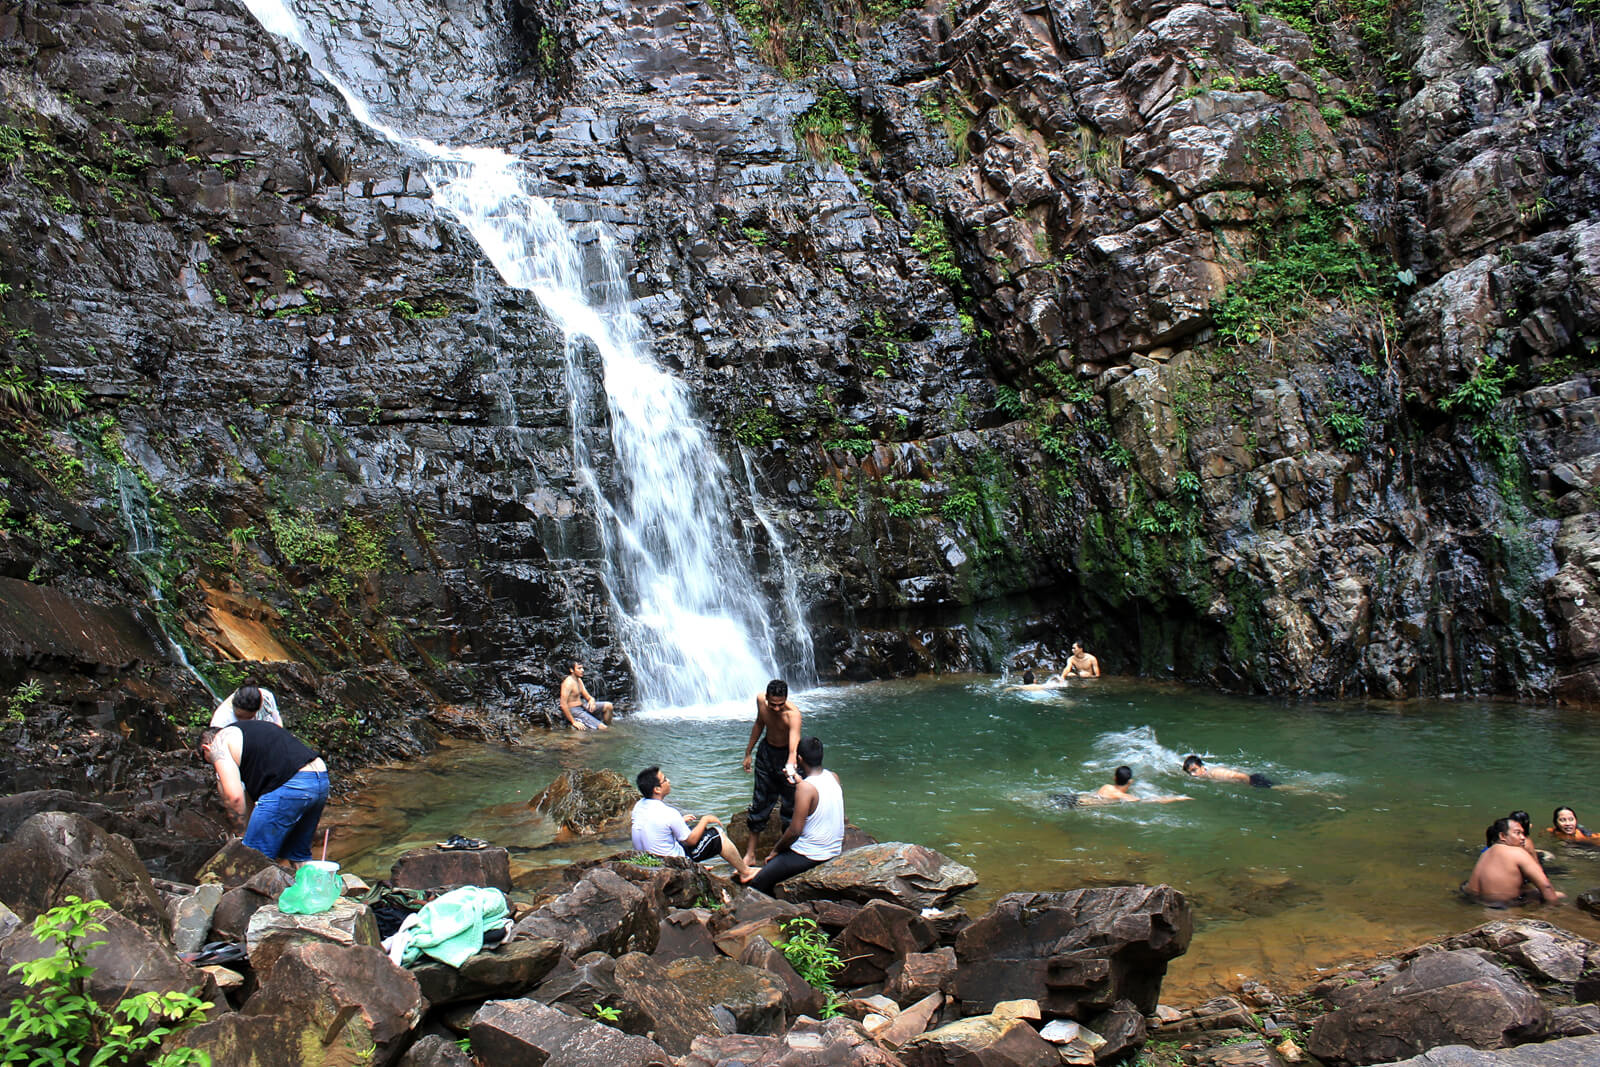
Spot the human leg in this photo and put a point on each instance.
(783, 865)
(765, 793)
(605, 711)
(283, 821)
(583, 720)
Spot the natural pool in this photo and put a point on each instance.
(1380, 814)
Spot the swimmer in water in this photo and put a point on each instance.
(1564, 825)
(1030, 684)
(1081, 665)
(1120, 790)
(1195, 767)
(1505, 867)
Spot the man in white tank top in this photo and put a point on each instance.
(816, 834)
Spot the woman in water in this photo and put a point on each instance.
(1565, 826)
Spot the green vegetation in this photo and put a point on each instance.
(351, 551)
(757, 428)
(25, 394)
(827, 127)
(606, 1014)
(1370, 20)
(21, 699)
(946, 110)
(904, 499)
(57, 1022)
(1349, 428)
(806, 948)
(433, 309)
(1309, 261)
(645, 859)
(931, 239)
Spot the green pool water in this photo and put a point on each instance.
(1379, 813)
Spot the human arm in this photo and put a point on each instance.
(1094, 667)
(791, 719)
(700, 829)
(755, 735)
(224, 754)
(1532, 872)
(805, 802)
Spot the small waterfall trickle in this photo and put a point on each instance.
(693, 619)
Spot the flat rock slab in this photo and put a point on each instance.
(757, 1000)
(432, 868)
(1568, 1052)
(271, 931)
(526, 1031)
(909, 875)
(233, 865)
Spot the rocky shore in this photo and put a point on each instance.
(635, 960)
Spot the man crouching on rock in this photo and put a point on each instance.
(267, 766)
(1504, 867)
(816, 834)
(659, 829)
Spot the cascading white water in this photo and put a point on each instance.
(693, 619)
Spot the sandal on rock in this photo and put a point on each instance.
(222, 953)
(456, 842)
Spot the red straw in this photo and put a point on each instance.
(325, 834)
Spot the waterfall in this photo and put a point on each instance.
(692, 617)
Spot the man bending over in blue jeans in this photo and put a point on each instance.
(816, 834)
(266, 765)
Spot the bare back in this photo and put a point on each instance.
(1501, 871)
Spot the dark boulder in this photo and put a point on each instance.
(435, 1051)
(231, 919)
(54, 855)
(507, 1032)
(757, 1000)
(1568, 1052)
(920, 974)
(675, 881)
(672, 1013)
(321, 1005)
(603, 912)
(804, 998)
(683, 933)
(1076, 953)
(510, 969)
(909, 875)
(879, 937)
(233, 865)
(349, 923)
(430, 868)
(1454, 997)
(1122, 1027)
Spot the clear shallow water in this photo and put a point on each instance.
(1379, 816)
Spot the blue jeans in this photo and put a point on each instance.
(285, 820)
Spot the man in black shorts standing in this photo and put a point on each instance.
(774, 764)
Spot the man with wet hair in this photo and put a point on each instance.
(816, 833)
(279, 780)
(261, 704)
(1119, 790)
(659, 829)
(1081, 664)
(1504, 867)
(774, 765)
(579, 708)
(1195, 767)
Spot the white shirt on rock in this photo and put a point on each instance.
(658, 828)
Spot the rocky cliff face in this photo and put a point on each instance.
(1251, 343)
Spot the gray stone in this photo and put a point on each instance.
(348, 923)
(191, 916)
(526, 1031)
(911, 876)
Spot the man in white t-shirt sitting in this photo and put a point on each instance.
(659, 829)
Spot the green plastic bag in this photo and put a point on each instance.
(316, 887)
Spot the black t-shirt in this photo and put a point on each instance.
(269, 757)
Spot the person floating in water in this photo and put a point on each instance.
(578, 706)
(1030, 684)
(659, 829)
(1564, 825)
(1195, 767)
(1081, 665)
(775, 772)
(1504, 867)
(1120, 789)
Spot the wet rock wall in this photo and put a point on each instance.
(1250, 343)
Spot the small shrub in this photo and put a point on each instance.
(56, 1022)
(808, 951)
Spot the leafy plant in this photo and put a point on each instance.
(1479, 394)
(1348, 428)
(56, 1022)
(606, 1014)
(22, 698)
(808, 951)
(644, 859)
(756, 428)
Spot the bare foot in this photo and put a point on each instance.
(749, 875)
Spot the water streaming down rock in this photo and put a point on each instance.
(692, 616)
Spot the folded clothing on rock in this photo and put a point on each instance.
(450, 928)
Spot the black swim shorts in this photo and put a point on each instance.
(710, 846)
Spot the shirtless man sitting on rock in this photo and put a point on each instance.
(1505, 867)
(575, 698)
